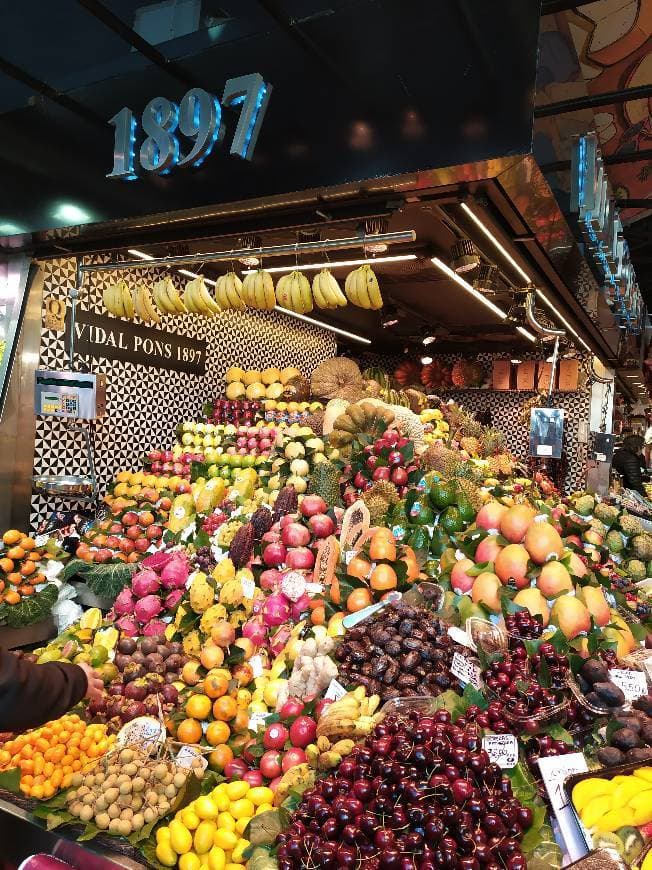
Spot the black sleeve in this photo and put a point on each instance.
(32, 694)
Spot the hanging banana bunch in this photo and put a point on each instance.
(258, 290)
(166, 297)
(229, 292)
(327, 291)
(118, 300)
(361, 288)
(198, 300)
(144, 306)
(293, 292)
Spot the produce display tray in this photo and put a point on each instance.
(90, 599)
(22, 835)
(28, 635)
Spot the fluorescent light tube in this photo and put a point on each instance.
(494, 241)
(525, 332)
(140, 254)
(336, 264)
(195, 275)
(322, 325)
(469, 289)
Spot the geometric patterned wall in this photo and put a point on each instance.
(145, 404)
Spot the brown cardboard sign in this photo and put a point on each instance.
(54, 314)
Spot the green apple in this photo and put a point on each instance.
(213, 471)
(187, 439)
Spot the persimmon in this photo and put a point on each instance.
(198, 706)
(358, 567)
(334, 591)
(220, 757)
(225, 708)
(7, 565)
(217, 733)
(383, 577)
(15, 578)
(36, 579)
(12, 536)
(189, 731)
(12, 597)
(27, 568)
(358, 599)
(318, 616)
(240, 722)
(26, 589)
(27, 543)
(382, 546)
(16, 553)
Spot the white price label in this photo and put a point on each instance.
(314, 588)
(143, 731)
(258, 719)
(349, 555)
(555, 771)
(632, 683)
(335, 691)
(544, 449)
(466, 671)
(460, 636)
(502, 749)
(187, 754)
(257, 668)
(41, 540)
(248, 587)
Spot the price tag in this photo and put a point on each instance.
(257, 668)
(145, 731)
(632, 683)
(544, 449)
(248, 587)
(41, 540)
(258, 719)
(348, 555)
(502, 749)
(187, 754)
(335, 691)
(460, 636)
(314, 588)
(555, 771)
(466, 671)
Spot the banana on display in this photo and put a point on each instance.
(294, 293)
(166, 298)
(198, 300)
(327, 291)
(362, 289)
(228, 292)
(144, 306)
(258, 290)
(353, 716)
(118, 300)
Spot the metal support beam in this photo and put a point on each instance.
(642, 92)
(609, 159)
(634, 203)
(549, 7)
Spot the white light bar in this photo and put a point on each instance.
(336, 264)
(195, 275)
(525, 332)
(494, 241)
(560, 317)
(322, 325)
(140, 254)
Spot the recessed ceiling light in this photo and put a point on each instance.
(464, 257)
(426, 360)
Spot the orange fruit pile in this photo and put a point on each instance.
(48, 756)
(19, 567)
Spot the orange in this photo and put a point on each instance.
(12, 537)
(27, 543)
(241, 721)
(12, 597)
(27, 568)
(225, 708)
(318, 616)
(220, 757)
(358, 599)
(198, 706)
(35, 579)
(217, 732)
(189, 731)
(16, 553)
(382, 546)
(6, 565)
(383, 577)
(15, 578)
(211, 657)
(26, 590)
(215, 686)
(358, 567)
(335, 591)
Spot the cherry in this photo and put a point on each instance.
(462, 790)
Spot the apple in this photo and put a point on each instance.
(130, 518)
(295, 535)
(241, 442)
(252, 443)
(320, 706)
(142, 545)
(360, 480)
(381, 473)
(300, 558)
(126, 546)
(274, 554)
(391, 437)
(157, 467)
(235, 769)
(154, 455)
(292, 757)
(286, 520)
(270, 764)
(303, 731)
(184, 486)
(399, 476)
(271, 536)
(313, 504)
(254, 778)
(265, 444)
(154, 533)
(133, 532)
(395, 458)
(321, 525)
(275, 736)
(113, 542)
(292, 707)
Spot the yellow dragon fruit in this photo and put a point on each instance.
(223, 571)
(202, 593)
(192, 644)
(214, 613)
(231, 593)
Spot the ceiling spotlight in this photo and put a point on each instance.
(428, 339)
(464, 257)
(389, 317)
(374, 227)
(250, 241)
(426, 360)
(516, 362)
(516, 312)
(486, 279)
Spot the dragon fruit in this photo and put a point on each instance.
(154, 626)
(147, 608)
(157, 561)
(173, 598)
(124, 603)
(175, 574)
(128, 626)
(276, 610)
(255, 630)
(293, 585)
(301, 606)
(145, 583)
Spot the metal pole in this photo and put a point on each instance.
(271, 251)
(642, 92)
(553, 368)
(74, 295)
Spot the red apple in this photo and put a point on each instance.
(270, 764)
(113, 542)
(275, 736)
(253, 777)
(399, 476)
(295, 535)
(116, 529)
(154, 533)
(286, 520)
(292, 707)
(130, 518)
(292, 757)
(126, 546)
(321, 525)
(381, 473)
(235, 769)
(320, 706)
(142, 545)
(303, 731)
(313, 504)
(133, 532)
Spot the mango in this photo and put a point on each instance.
(642, 805)
(644, 773)
(625, 791)
(595, 809)
(180, 837)
(203, 839)
(166, 855)
(588, 789)
(615, 819)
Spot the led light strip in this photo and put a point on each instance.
(336, 264)
(322, 325)
(479, 296)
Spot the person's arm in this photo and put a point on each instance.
(32, 694)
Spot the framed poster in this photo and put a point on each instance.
(546, 432)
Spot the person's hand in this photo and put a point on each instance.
(95, 685)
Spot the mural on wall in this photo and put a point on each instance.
(145, 402)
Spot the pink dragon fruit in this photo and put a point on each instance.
(128, 626)
(175, 574)
(124, 603)
(157, 561)
(147, 608)
(154, 626)
(145, 583)
(173, 598)
(301, 606)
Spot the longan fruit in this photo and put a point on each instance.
(89, 780)
(167, 779)
(89, 800)
(86, 813)
(110, 781)
(113, 768)
(111, 795)
(137, 784)
(77, 779)
(124, 827)
(149, 815)
(99, 778)
(102, 821)
(125, 787)
(160, 771)
(123, 778)
(170, 792)
(101, 804)
(127, 814)
(151, 796)
(179, 780)
(82, 790)
(130, 769)
(71, 796)
(136, 803)
(124, 801)
(75, 808)
(114, 811)
(127, 755)
(137, 822)
(114, 826)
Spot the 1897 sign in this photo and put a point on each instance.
(100, 335)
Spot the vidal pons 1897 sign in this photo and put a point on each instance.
(99, 335)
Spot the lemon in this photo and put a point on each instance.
(595, 809)
(237, 855)
(163, 835)
(165, 854)
(241, 824)
(206, 807)
(260, 795)
(203, 839)
(226, 822)
(225, 839)
(241, 808)
(217, 858)
(237, 789)
(264, 808)
(221, 800)
(588, 789)
(615, 819)
(180, 837)
(189, 818)
(189, 861)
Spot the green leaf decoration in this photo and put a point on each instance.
(107, 581)
(559, 642)
(480, 568)
(63, 817)
(90, 832)
(473, 696)
(202, 539)
(544, 676)
(144, 833)
(557, 732)
(74, 567)
(263, 830)
(639, 631)
(10, 780)
(36, 608)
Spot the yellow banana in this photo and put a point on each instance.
(373, 289)
(139, 305)
(107, 298)
(127, 300)
(220, 292)
(338, 296)
(233, 286)
(197, 301)
(268, 290)
(303, 292)
(320, 298)
(283, 291)
(207, 301)
(350, 288)
(159, 297)
(174, 297)
(361, 287)
(296, 300)
(118, 303)
(249, 289)
(152, 313)
(188, 300)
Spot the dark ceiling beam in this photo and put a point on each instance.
(549, 7)
(45, 90)
(634, 203)
(171, 67)
(642, 92)
(609, 159)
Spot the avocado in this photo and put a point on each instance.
(451, 521)
(611, 695)
(626, 739)
(594, 671)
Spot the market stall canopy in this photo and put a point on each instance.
(359, 90)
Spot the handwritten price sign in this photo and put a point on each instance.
(502, 749)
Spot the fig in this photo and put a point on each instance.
(644, 703)
(611, 695)
(594, 671)
(639, 754)
(629, 722)
(626, 739)
(646, 732)
(609, 756)
(595, 700)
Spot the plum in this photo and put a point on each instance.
(594, 671)
(609, 756)
(626, 739)
(610, 694)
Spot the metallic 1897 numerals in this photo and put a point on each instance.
(198, 118)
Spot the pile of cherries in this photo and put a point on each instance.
(523, 624)
(515, 677)
(419, 794)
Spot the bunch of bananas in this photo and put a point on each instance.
(327, 291)
(144, 306)
(293, 292)
(228, 292)
(198, 300)
(166, 298)
(118, 300)
(258, 290)
(324, 755)
(361, 288)
(353, 716)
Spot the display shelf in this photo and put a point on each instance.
(12, 638)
